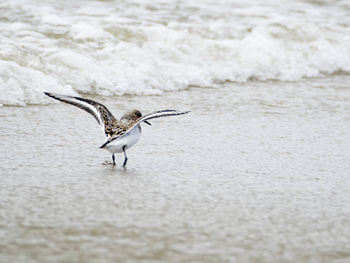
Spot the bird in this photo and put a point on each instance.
(120, 134)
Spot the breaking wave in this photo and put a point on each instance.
(148, 47)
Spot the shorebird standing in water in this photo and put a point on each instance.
(121, 134)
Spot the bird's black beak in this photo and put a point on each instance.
(147, 123)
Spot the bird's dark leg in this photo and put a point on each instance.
(113, 158)
(126, 158)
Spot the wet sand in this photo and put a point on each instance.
(256, 173)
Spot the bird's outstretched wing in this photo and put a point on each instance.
(159, 114)
(153, 115)
(103, 116)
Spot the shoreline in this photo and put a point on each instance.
(255, 172)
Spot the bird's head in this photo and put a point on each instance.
(132, 115)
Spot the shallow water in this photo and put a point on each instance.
(258, 172)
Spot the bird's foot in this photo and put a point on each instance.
(108, 163)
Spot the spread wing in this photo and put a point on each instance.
(153, 115)
(159, 114)
(103, 116)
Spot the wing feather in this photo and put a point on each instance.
(153, 115)
(100, 112)
(159, 114)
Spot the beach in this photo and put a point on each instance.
(257, 172)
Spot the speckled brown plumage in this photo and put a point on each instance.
(112, 127)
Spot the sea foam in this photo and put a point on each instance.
(148, 47)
